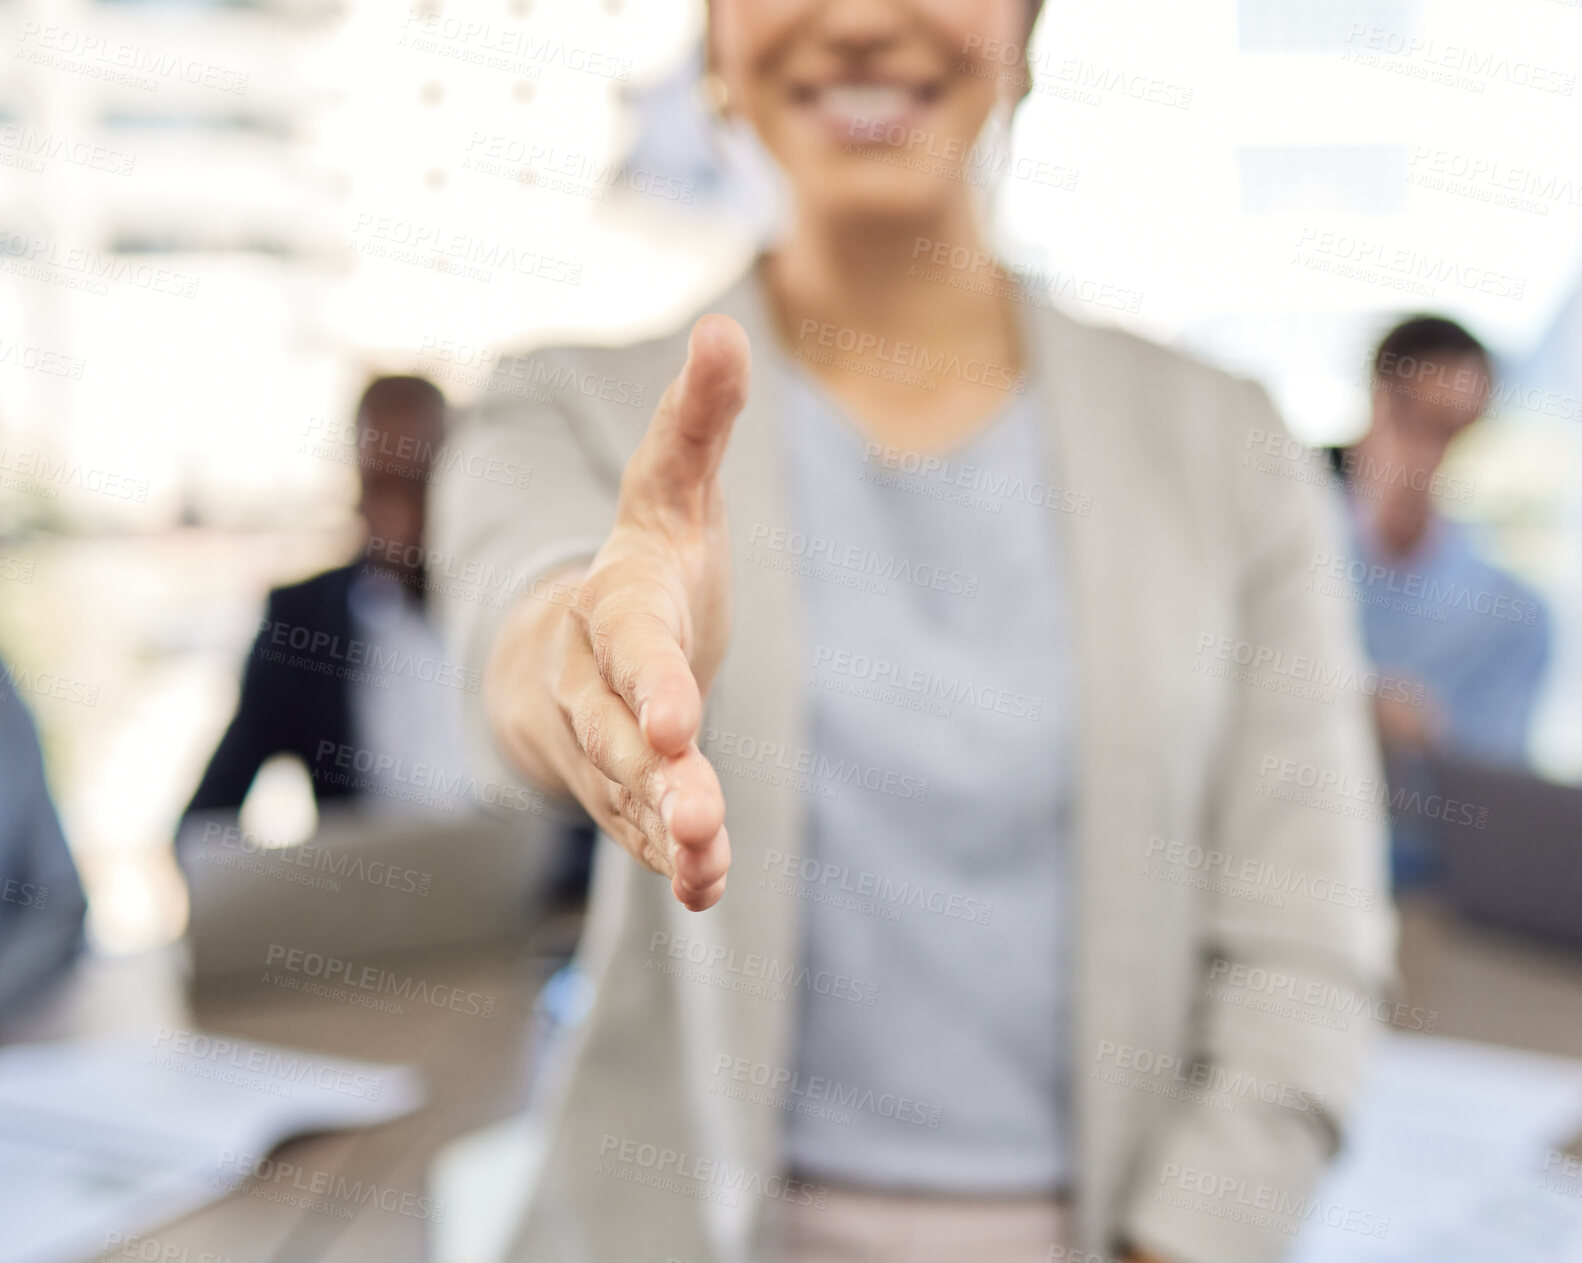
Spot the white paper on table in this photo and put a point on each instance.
(116, 1137)
(481, 1179)
(1454, 1156)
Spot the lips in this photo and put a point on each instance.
(866, 109)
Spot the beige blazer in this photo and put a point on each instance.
(1232, 939)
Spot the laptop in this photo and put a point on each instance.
(1513, 849)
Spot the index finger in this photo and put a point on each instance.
(636, 642)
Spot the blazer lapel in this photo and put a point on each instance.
(1106, 588)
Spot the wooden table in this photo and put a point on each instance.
(1480, 984)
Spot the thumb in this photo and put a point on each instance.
(692, 424)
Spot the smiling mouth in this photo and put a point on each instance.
(850, 105)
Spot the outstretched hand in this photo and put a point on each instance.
(603, 697)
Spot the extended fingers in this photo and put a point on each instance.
(636, 646)
(697, 867)
(680, 791)
(699, 878)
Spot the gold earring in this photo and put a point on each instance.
(716, 94)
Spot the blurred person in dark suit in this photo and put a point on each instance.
(313, 685)
(1470, 639)
(41, 899)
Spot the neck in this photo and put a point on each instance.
(1400, 522)
(877, 276)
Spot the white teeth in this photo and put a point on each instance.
(865, 100)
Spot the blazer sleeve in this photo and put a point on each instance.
(1292, 993)
(253, 735)
(527, 484)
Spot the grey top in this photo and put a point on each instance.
(936, 639)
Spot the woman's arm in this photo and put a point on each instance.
(596, 676)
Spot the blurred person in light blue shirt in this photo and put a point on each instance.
(1471, 639)
(41, 899)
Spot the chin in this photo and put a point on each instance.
(878, 184)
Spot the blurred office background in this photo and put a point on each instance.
(219, 218)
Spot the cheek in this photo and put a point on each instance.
(724, 19)
(741, 42)
(989, 39)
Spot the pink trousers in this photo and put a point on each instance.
(864, 1227)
